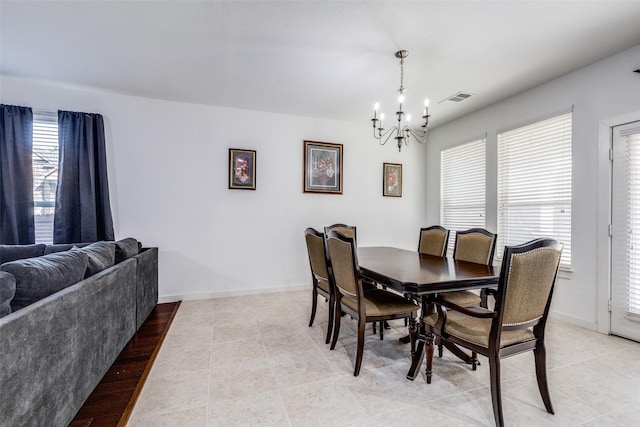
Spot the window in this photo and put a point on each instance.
(534, 184)
(462, 191)
(45, 172)
(633, 217)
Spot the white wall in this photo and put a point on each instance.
(168, 172)
(603, 90)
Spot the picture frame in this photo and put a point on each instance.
(392, 179)
(242, 169)
(322, 166)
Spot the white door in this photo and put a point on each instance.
(625, 240)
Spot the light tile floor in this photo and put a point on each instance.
(253, 361)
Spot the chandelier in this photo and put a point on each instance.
(402, 130)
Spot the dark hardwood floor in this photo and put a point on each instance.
(112, 400)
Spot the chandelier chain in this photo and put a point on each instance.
(401, 90)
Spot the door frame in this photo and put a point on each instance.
(604, 207)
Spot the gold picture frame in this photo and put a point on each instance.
(392, 179)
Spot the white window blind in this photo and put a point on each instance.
(632, 209)
(45, 172)
(534, 184)
(462, 188)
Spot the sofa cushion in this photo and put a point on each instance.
(126, 248)
(10, 253)
(7, 291)
(101, 255)
(61, 247)
(37, 278)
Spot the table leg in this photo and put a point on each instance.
(416, 361)
(449, 345)
(458, 352)
(413, 334)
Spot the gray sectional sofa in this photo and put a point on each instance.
(66, 312)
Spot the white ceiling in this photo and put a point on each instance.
(325, 59)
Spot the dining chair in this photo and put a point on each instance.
(475, 245)
(515, 325)
(322, 280)
(372, 306)
(347, 230)
(433, 240)
(351, 231)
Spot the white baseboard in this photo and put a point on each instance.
(234, 293)
(574, 320)
(243, 292)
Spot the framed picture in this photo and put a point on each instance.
(322, 167)
(242, 169)
(392, 179)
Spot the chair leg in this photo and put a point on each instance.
(332, 314)
(373, 325)
(439, 346)
(429, 356)
(314, 305)
(361, 327)
(336, 328)
(474, 360)
(496, 392)
(381, 329)
(540, 355)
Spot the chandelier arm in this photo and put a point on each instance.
(386, 135)
(419, 135)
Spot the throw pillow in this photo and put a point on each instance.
(61, 247)
(101, 255)
(10, 253)
(126, 248)
(37, 278)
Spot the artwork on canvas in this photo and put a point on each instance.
(242, 169)
(392, 179)
(322, 167)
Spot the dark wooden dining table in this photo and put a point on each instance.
(419, 276)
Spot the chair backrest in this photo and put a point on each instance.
(433, 240)
(347, 230)
(317, 253)
(527, 278)
(344, 263)
(475, 245)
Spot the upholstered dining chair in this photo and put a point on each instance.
(516, 323)
(347, 230)
(372, 306)
(474, 245)
(433, 240)
(322, 280)
(351, 231)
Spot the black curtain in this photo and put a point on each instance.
(83, 212)
(16, 175)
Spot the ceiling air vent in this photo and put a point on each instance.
(457, 97)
